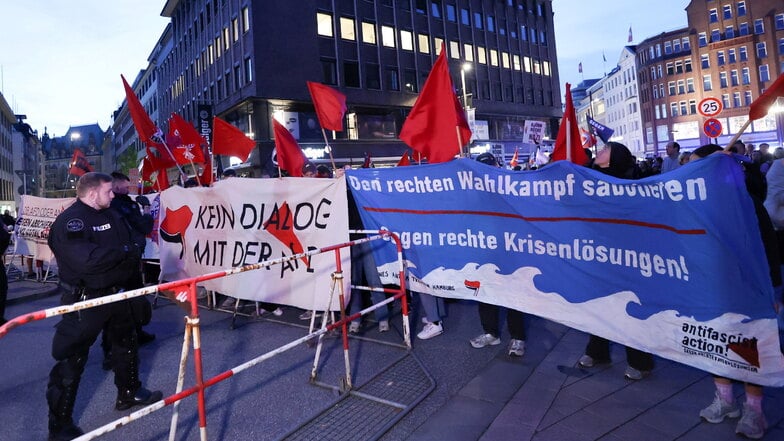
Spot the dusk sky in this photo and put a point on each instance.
(61, 64)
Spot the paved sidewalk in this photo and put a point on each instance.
(541, 396)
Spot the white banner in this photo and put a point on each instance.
(533, 132)
(243, 221)
(32, 227)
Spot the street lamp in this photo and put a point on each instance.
(463, 69)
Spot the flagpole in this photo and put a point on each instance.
(329, 149)
(568, 140)
(460, 142)
(171, 155)
(737, 135)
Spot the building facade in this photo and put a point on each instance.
(7, 121)
(729, 51)
(249, 60)
(58, 154)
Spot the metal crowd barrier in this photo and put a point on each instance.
(184, 292)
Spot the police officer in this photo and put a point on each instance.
(96, 256)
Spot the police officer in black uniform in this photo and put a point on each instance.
(96, 256)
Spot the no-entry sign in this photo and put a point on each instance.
(712, 128)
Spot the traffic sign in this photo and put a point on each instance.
(710, 106)
(712, 127)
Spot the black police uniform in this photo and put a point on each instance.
(96, 256)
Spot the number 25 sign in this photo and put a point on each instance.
(710, 107)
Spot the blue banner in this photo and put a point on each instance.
(672, 264)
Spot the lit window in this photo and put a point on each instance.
(481, 55)
(424, 43)
(546, 67)
(324, 24)
(368, 33)
(527, 64)
(516, 62)
(493, 57)
(387, 36)
(406, 40)
(347, 29)
(454, 50)
(437, 43)
(505, 60)
(468, 52)
(245, 19)
(235, 27)
(226, 39)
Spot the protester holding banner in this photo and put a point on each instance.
(616, 160)
(97, 256)
(752, 423)
(488, 313)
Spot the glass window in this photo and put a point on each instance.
(720, 60)
(781, 46)
(347, 29)
(732, 55)
(741, 9)
(725, 99)
(713, 16)
(683, 108)
(727, 9)
(368, 32)
(702, 39)
(681, 87)
(715, 35)
(372, 76)
(435, 9)
(235, 27)
(729, 32)
(481, 56)
(745, 74)
(736, 99)
(516, 62)
(744, 55)
(667, 48)
(420, 7)
(743, 29)
(324, 24)
(671, 88)
(685, 43)
(387, 36)
(245, 19)
(505, 60)
(451, 13)
(329, 71)
(705, 60)
(468, 52)
(406, 40)
(676, 45)
(454, 50)
(226, 41)
(437, 43)
(478, 20)
(723, 79)
(759, 26)
(493, 57)
(687, 64)
(351, 74)
(734, 81)
(779, 19)
(491, 23)
(465, 17)
(747, 98)
(674, 109)
(527, 64)
(424, 43)
(391, 78)
(762, 51)
(670, 69)
(706, 83)
(410, 81)
(692, 107)
(764, 73)
(523, 33)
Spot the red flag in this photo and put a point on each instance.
(567, 144)
(79, 164)
(148, 168)
(185, 141)
(513, 163)
(431, 126)
(148, 132)
(290, 157)
(761, 105)
(368, 162)
(229, 140)
(207, 177)
(404, 160)
(330, 106)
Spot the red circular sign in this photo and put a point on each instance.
(712, 127)
(710, 106)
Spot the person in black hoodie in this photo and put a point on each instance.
(616, 160)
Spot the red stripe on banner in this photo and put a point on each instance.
(539, 219)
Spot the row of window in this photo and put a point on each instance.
(405, 40)
(348, 31)
(734, 78)
(743, 29)
(713, 14)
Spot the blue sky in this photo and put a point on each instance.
(61, 61)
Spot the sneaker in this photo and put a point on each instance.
(277, 312)
(516, 347)
(383, 326)
(752, 424)
(430, 330)
(718, 410)
(307, 315)
(634, 374)
(353, 328)
(587, 361)
(484, 340)
(228, 303)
